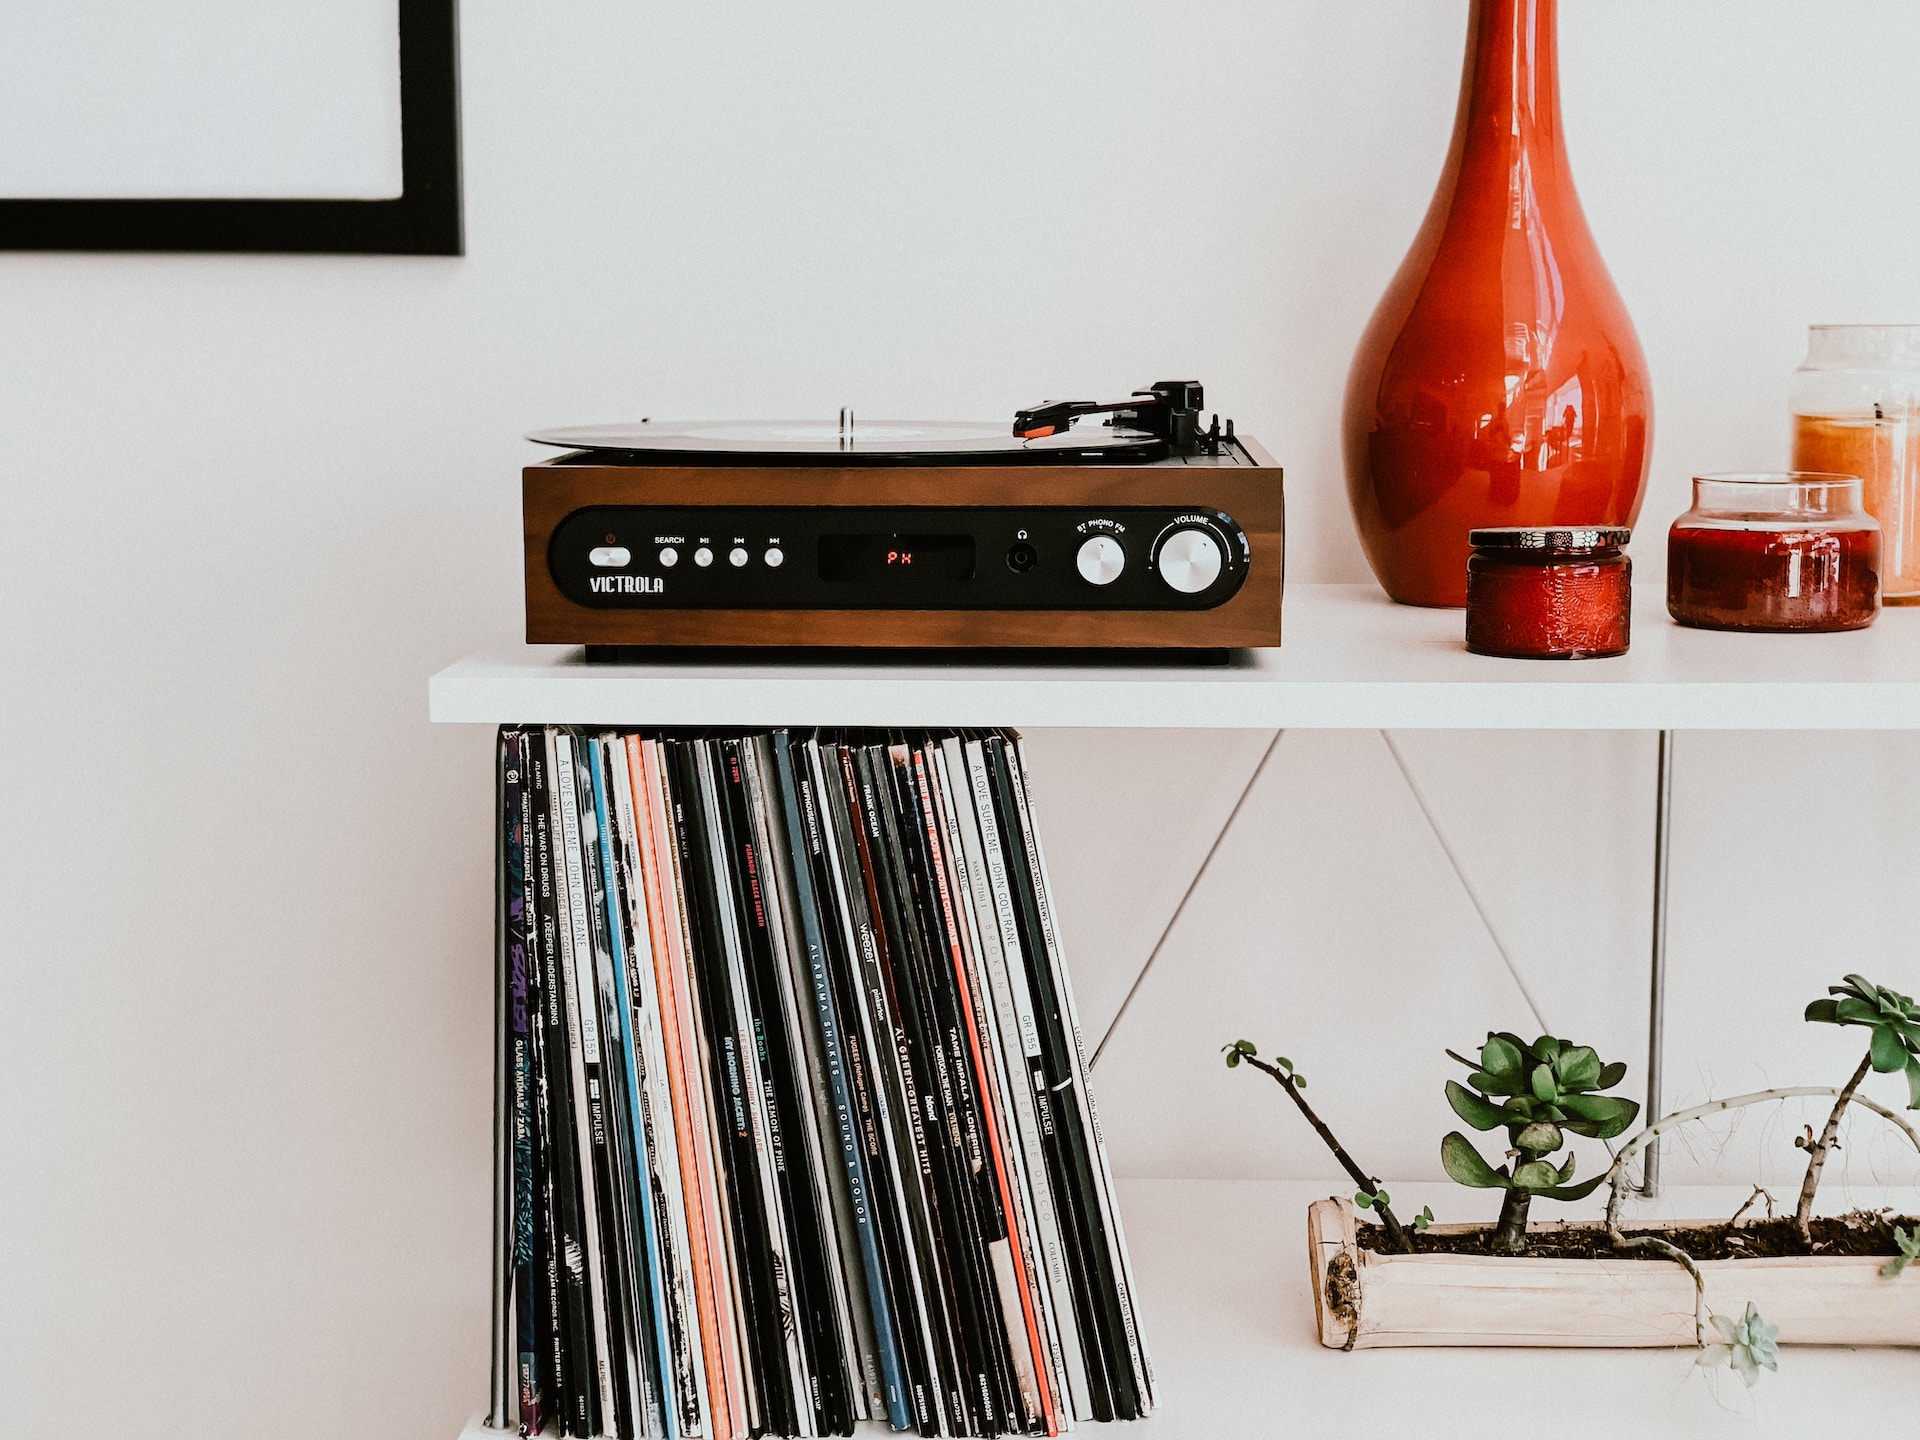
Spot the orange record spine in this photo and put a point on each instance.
(716, 1330)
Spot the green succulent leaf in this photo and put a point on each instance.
(1284, 1063)
(1599, 1117)
(1424, 1218)
(1539, 1138)
(1913, 1084)
(1535, 1175)
(1857, 1012)
(1300, 1082)
(1548, 1048)
(1574, 1192)
(1233, 1059)
(1888, 1053)
(1909, 1251)
(1578, 1068)
(1541, 1082)
(1474, 1109)
(1500, 1062)
(1245, 1047)
(1824, 1012)
(1363, 1199)
(1750, 1344)
(1611, 1075)
(1465, 1167)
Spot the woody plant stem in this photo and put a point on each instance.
(1366, 1182)
(1817, 1154)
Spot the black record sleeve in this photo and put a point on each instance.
(767, 1347)
(575, 1351)
(1096, 1292)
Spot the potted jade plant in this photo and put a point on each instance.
(1734, 1288)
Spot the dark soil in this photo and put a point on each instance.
(1862, 1232)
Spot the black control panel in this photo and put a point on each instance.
(806, 557)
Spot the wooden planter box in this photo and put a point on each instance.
(1364, 1300)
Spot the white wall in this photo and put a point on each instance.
(251, 502)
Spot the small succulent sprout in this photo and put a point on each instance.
(1366, 1200)
(1748, 1345)
(1893, 1018)
(1539, 1093)
(1909, 1251)
(1246, 1050)
(1425, 1218)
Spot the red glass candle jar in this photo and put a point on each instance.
(1561, 594)
(1774, 552)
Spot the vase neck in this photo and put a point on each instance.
(1510, 93)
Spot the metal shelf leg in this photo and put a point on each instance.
(1657, 993)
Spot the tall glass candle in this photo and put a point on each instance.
(1856, 411)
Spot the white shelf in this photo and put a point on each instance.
(1352, 660)
(1228, 1313)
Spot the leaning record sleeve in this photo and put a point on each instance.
(763, 1384)
(766, 1310)
(687, 1383)
(571, 1339)
(818, 1347)
(1008, 975)
(1101, 1322)
(522, 1230)
(655, 1262)
(980, 938)
(692, 1127)
(732, 1285)
(894, 1078)
(976, 1197)
(763, 1117)
(550, 1340)
(505, 1367)
(805, 840)
(590, 1335)
(599, 1182)
(623, 1246)
(823, 1178)
(1083, 1070)
(941, 1124)
(944, 1264)
(865, 1033)
(996, 1175)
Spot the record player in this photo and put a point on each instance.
(1084, 525)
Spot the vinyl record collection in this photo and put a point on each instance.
(795, 1128)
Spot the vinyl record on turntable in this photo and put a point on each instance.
(863, 442)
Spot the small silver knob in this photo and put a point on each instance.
(1190, 561)
(1101, 560)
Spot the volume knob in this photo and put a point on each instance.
(1101, 559)
(1190, 561)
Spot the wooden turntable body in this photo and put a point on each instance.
(1242, 481)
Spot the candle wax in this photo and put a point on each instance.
(1726, 578)
(1884, 453)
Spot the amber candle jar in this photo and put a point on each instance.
(1774, 552)
(1549, 594)
(1856, 411)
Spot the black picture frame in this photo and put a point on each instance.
(423, 220)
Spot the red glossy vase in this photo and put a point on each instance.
(1499, 381)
